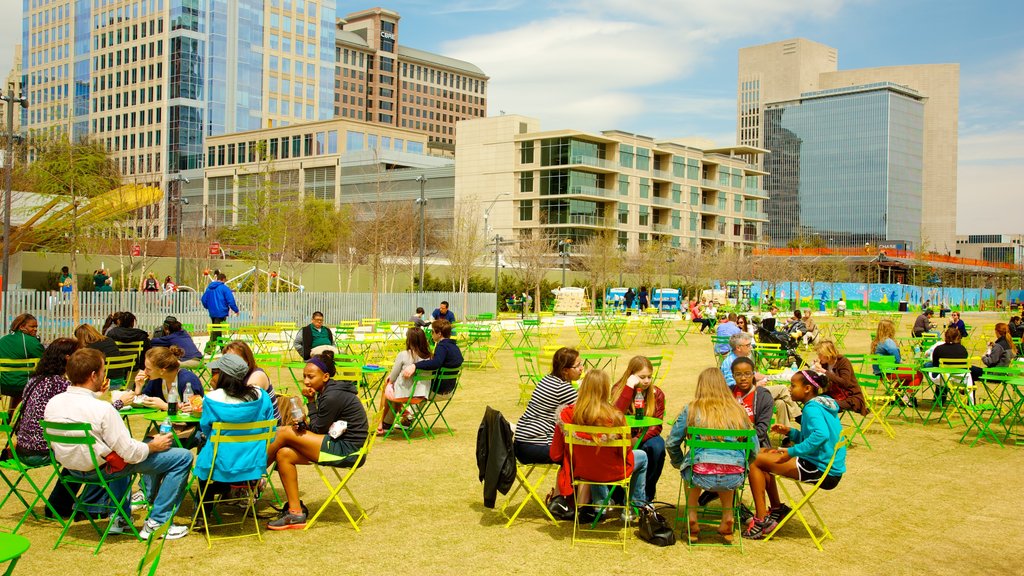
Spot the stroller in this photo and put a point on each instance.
(767, 333)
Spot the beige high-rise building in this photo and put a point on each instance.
(865, 155)
(14, 84)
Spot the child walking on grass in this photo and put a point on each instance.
(805, 461)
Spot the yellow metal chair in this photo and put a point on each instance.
(616, 439)
(523, 474)
(259, 433)
(122, 366)
(805, 500)
(343, 480)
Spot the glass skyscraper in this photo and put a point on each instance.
(845, 167)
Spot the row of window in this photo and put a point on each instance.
(130, 77)
(125, 34)
(128, 120)
(129, 55)
(305, 145)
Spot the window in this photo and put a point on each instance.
(644, 216)
(526, 182)
(526, 152)
(643, 159)
(645, 185)
(525, 210)
(623, 214)
(626, 156)
(623, 185)
(354, 141)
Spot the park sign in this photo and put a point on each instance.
(136, 250)
(214, 248)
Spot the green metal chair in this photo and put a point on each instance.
(13, 472)
(151, 558)
(12, 547)
(73, 434)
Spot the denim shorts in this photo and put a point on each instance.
(713, 482)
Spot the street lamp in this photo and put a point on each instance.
(422, 201)
(177, 243)
(11, 100)
(497, 243)
(563, 252)
(487, 213)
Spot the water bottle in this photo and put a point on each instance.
(186, 399)
(638, 404)
(165, 426)
(296, 412)
(172, 400)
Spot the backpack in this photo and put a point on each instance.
(151, 284)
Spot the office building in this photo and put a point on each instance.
(854, 156)
(14, 84)
(378, 80)
(567, 184)
(153, 78)
(1003, 248)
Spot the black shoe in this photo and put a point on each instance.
(587, 514)
(706, 498)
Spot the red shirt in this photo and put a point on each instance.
(747, 400)
(601, 464)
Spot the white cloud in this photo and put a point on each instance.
(606, 63)
(477, 6)
(10, 36)
(988, 200)
(1001, 146)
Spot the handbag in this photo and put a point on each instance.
(114, 463)
(654, 528)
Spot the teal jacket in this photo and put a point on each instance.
(235, 462)
(818, 435)
(18, 346)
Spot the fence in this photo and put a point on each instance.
(54, 312)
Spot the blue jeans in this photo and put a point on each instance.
(654, 448)
(533, 453)
(638, 496)
(166, 476)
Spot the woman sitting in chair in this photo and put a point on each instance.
(232, 400)
(398, 389)
(256, 377)
(591, 462)
(337, 430)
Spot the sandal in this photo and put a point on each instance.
(694, 532)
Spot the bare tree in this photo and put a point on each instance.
(463, 245)
(600, 258)
(531, 257)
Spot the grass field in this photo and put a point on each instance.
(919, 504)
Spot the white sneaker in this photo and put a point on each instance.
(118, 525)
(139, 501)
(174, 531)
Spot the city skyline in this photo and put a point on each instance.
(670, 70)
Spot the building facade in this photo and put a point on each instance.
(153, 78)
(777, 75)
(845, 167)
(346, 162)
(378, 80)
(1003, 248)
(567, 184)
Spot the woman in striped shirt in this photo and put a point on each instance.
(536, 427)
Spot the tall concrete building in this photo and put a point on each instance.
(855, 156)
(14, 84)
(380, 81)
(153, 78)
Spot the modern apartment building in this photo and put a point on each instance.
(340, 160)
(380, 81)
(568, 184)
(854, 156)
(1005, 248)
(153, 78)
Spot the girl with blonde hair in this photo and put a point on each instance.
(597, 463)
(715, 470)
(648, 400)
(884, 343)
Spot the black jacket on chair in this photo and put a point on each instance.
(495, 457)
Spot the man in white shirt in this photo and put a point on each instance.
(169, 467)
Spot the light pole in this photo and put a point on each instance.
(11, 100)
(563, 251)
(422, 201)
(178, 201)
(497, 243)
(487, 213)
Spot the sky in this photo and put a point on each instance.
(667, 68)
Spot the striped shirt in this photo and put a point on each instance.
(537, 425)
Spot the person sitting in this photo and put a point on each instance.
(812, 329)
(591, 462)
(417, 318)
(842, 381)
(714, 470)
(725, 330)
(956, 322)
(796, 327)
(1001, 351)
(314, 338)
(742, 345)
(126, 332)
(923, 323)
(446, 355)
(398, 389)
(175, 335)
(232, 400)
(884, 343)
(47, 381)
(950, 349)
(163, 373)
(698, 317)
(805, 461)
(149, 284)
(536, 427)
(166, 468)
(1016, 327)
(756, 400)
(21, 343)
(841, 306)
(336, 430)
(256, 377)
(647, 401)
(443, 313)
(90, 337)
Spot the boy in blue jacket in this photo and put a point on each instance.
(806, 460)
(219, 300)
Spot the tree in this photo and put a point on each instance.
(531, 257)
(80, 174)
(462, 245)
(600, 258)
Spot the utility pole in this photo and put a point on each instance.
(497, 243)
(177, 202)
(11, 100)
(563, 251)
(422, 201)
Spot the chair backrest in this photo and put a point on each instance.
(152, 556)
(241, 433)
(18, 365)
(348, 373)
(721, 439)
(120, 363)
(351, 359)
(446, 380)
(69, 434)
(609, 438)
(955, 363)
